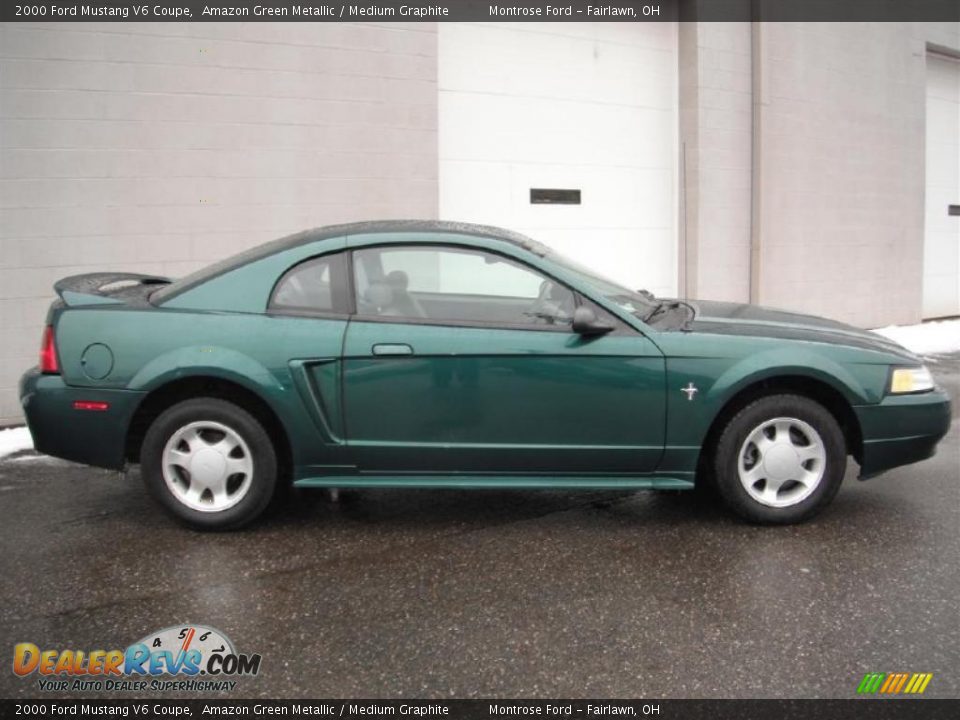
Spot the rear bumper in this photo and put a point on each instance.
(901, 430)
(83, 436)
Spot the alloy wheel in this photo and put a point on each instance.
(781, 462)
(207, 466)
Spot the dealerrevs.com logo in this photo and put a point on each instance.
(199, 658)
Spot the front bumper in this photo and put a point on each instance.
(83, 436)
(902, 429)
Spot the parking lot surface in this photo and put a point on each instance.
(501, 594)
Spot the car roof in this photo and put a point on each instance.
(313, 235)
(407, 226)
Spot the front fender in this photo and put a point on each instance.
(718, 379)
(790, 362)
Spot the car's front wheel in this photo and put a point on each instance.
(210, 463)
(780, 460)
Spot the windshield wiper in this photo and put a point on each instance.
(661, 307)
(665, 305)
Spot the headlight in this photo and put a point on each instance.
(910, 380)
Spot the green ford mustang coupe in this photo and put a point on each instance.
(434, 354)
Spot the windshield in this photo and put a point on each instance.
(639, 302)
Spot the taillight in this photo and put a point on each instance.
(48, 353)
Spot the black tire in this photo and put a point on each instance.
(263, 477)
(743, 425)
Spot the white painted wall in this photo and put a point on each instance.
(941, 256)
(566, 105)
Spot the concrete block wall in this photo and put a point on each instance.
(803, 148)
(716, 131)
(840, 173)
(157, 147)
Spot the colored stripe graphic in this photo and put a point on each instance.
(889, 682)
(871, 682)
(923, 679)
(894, 683)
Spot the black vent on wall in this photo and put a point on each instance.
(554, 196)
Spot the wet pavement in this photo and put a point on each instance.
(502, 594)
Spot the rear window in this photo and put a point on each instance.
(318, 286)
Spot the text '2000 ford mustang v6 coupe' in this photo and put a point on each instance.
(431, 354)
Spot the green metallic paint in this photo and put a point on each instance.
(513, 400)
(256, 351)
(93, 438)
(722, 366)
(247, 288)
(471, 406)
(318, 382)
(901, 430)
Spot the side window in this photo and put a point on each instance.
(438, 283)
(314, 286)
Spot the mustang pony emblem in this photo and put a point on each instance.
(690, 390)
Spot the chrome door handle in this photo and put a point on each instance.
(392, 349)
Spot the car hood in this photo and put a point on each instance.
(755, 321)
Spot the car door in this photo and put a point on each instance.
(460, 359)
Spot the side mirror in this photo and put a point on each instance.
(585, 322)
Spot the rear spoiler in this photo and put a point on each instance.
(95, 288)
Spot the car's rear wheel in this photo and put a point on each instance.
(780, 460)
(210, 463)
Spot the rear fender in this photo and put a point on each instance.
(223, 364)
(208, 361)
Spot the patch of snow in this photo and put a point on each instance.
(15, 440)
(929, 338)
(36, 458)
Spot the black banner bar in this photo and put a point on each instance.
(874, 709)
(478, 10)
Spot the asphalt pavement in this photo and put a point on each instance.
(419, 593)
